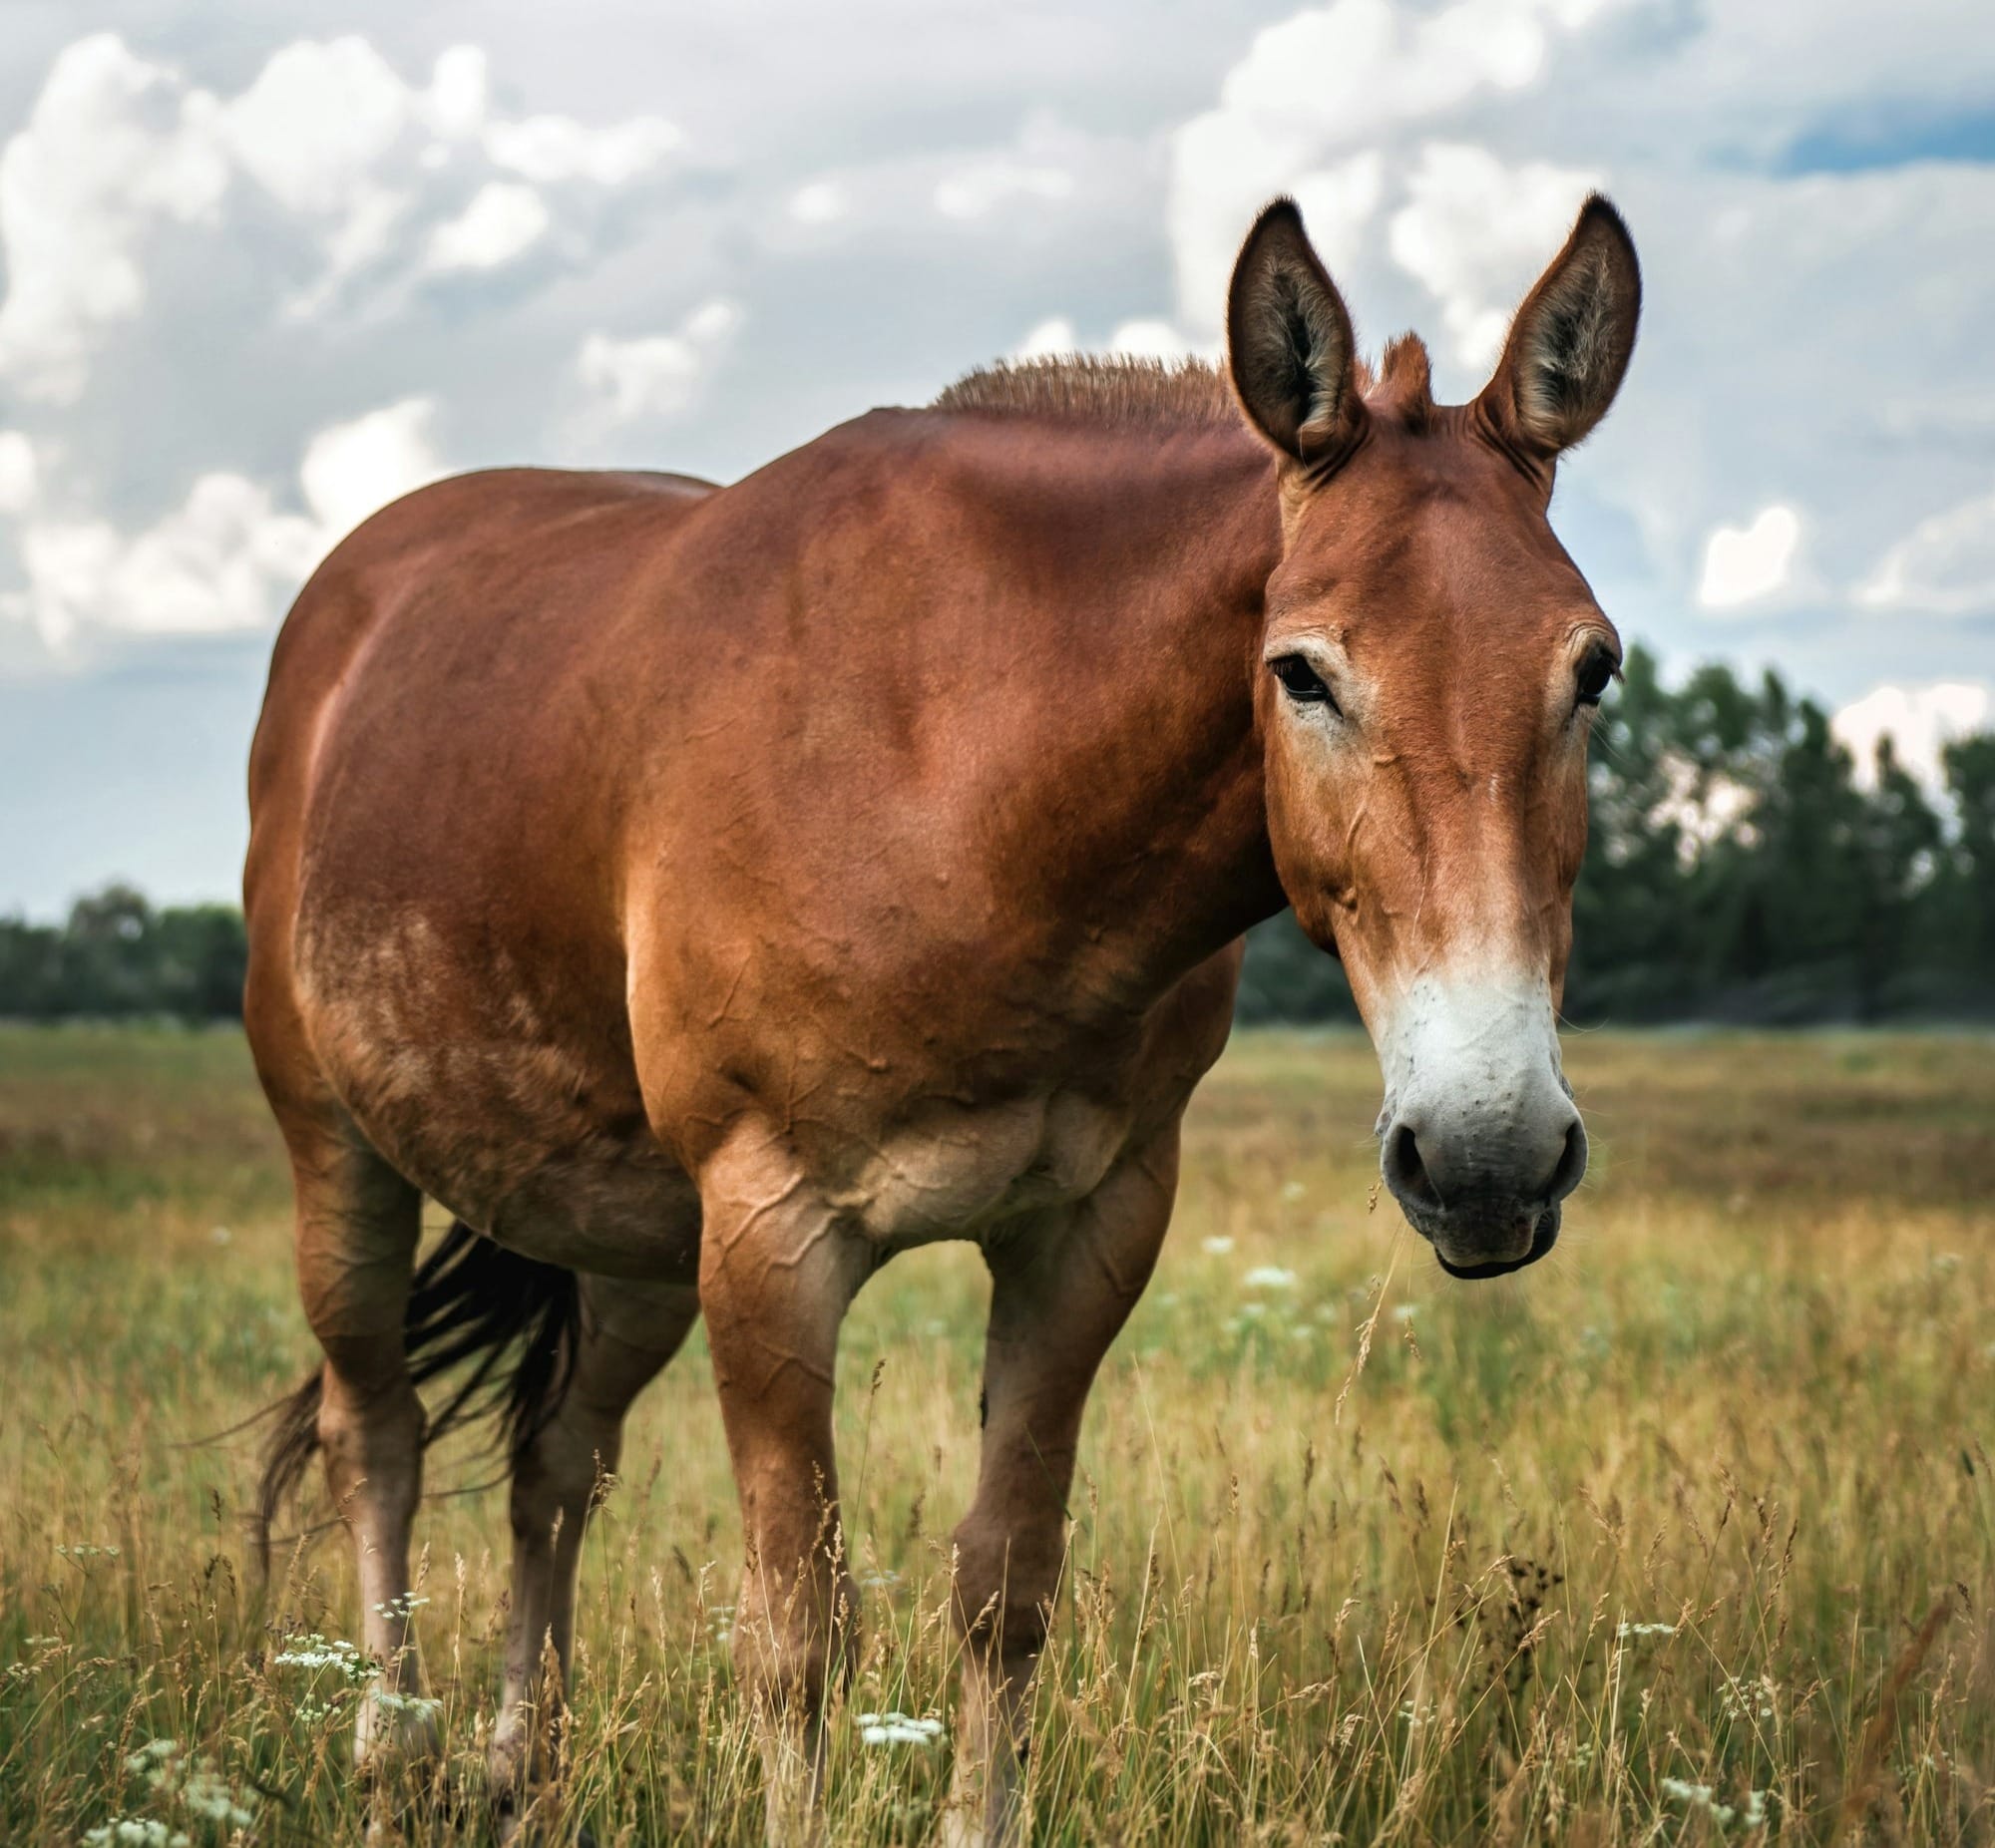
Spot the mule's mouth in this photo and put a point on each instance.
(1544, 1235)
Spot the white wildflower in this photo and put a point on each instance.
(897, 1729)
(416, 1706)
(135, 1833)
(1269, 1277)
(1218, 1246)
(1702, 1797)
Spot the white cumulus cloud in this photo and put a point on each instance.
(1149, 339)
(226, 559)
(229, 557)
(821, 201)
(550, 149)
(1744, 565)
(1920, 721)
(1309, 100)
(984, 185)
(110, 150)
(1048, 339)
(116, 146)
(20, 473)
(317, 122)
(1476, 233)
(503, 221)
(351, 470)
(654, 375)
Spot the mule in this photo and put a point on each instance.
(706, 893)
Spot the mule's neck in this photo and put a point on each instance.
(1148, 553)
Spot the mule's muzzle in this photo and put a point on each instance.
(1486, 1194)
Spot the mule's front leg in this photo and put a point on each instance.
(630, 1331)
(777, 1274)
(1060, 1293)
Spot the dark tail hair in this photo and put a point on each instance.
(470, 1299)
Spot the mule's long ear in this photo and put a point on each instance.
(1569, 345)
(1289, 342)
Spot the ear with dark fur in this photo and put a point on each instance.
(1289, 342)
(1569, 346)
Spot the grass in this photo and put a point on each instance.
(1686, 1535)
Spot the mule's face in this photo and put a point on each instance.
(1431, 662)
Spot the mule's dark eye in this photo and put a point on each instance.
(1596, 673)
(1301, 681)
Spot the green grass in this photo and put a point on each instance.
(1747, 1406)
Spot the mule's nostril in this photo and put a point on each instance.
(1406, 1174)
(1571, 1167)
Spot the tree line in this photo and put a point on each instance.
(1736, 869)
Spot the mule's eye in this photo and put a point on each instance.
(1596, 672)
(1301, 681)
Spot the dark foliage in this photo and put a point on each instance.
(117, 956)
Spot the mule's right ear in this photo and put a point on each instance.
(1289, 342)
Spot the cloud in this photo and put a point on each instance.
(20, 473)
(552, 149)
(107, 151)
(984, 185)
(229, 558)
(1920, 721)
(1048, 339)
(822, 201)
(1297, 111)
(654, 375)
(1945, 564)
(1149, 339)
(316, 124)
(1746, 564)
(223, 561)
(351, 470)
(503, 221)
(1476, 233)
(350, 154)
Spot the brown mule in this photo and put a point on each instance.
(709, 893)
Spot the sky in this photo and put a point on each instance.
(262, 268)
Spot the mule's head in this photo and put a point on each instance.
(1432, 660)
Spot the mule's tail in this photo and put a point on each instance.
(513, 1318)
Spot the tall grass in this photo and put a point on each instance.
(1685, 1535)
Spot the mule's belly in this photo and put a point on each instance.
(529, 1129)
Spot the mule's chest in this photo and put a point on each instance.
(954, 1171)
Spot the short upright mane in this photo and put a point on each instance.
(1088, 389)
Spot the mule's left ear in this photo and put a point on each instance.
(1569, 346)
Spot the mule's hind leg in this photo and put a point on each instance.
(1060, 1293)
(358, 1224)
(629, 1332)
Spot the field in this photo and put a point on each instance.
(1687, 1535)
